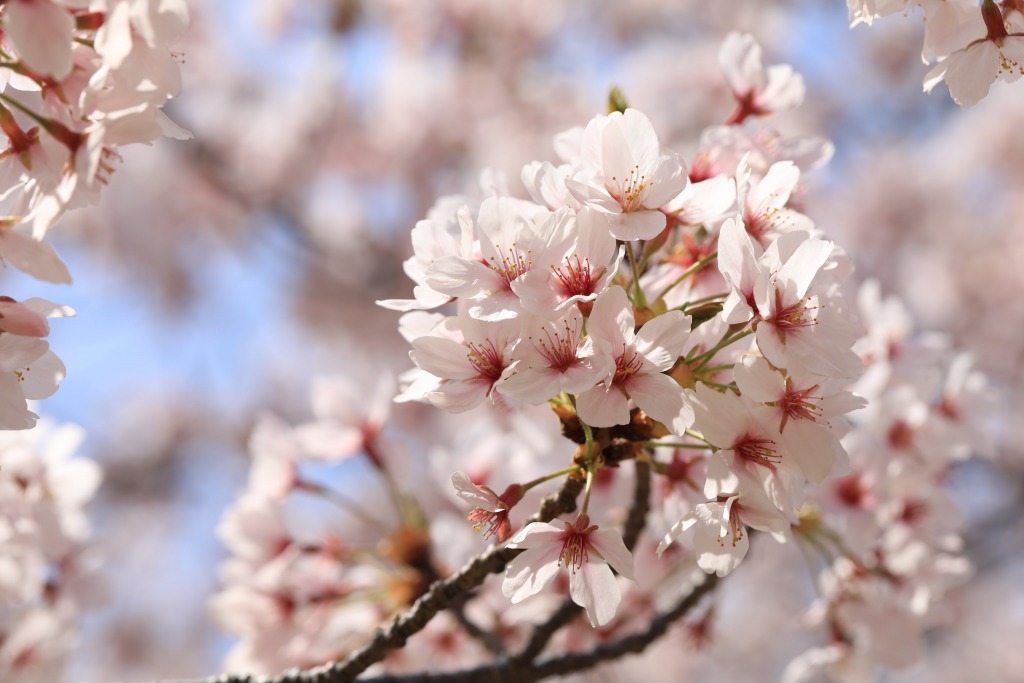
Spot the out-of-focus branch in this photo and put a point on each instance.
(403, 626)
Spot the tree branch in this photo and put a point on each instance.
(526, 672)
(401, 627)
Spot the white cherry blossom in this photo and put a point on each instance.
(588, 552)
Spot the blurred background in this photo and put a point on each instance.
(220, 275)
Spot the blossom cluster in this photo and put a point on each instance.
(971, 46)
(78, 80)
(586, 296)
(685, 319)
(888, 533)
(47, 568)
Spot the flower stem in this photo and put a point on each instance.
(548, 477)
(688, 272)
(639, 300)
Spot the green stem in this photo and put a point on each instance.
(688, 272)
(639, 300)
(675, 444)
(697, 435)
(718, 385)
(586, 491)
(696, 302)
(727, 340)
(548, 477)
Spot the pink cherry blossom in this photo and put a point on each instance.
(490, 510)
(640, 359)
(585, 550)
(625, 178)
(758, 91)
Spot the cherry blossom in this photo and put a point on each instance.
(625, 178)
(758, 91)
(640, 359)
(588, 552)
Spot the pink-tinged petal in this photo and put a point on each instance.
(603, 407)
(719, 417)
(739, 58)
(114, 38)
(639, 136)
(537, 292)
(812, 447)
(14, 412)
(721, 479)
(676, 531)
(594, 242)
(17, 353)
(667, 181)
(40, 379)
(611, 320)
(765, 517)
(17, 318)
(617, 157)
(757, 381)
(661, 340)
(586, 375)
(536, 534)
(771, 345)
(595, 589)
(545, 183)
(704, 201)
(738, 256)
(531, 571)
(477, 496)
(719, 553)
(48, 309)
(803, 265)
(594, 197)
(501, 305)
(31, 256)
(534, 385)
(774, 189)
(442, 357)
(457, 276)
(784, 89)
(41, 32)
(459, 396)
(636, 225)
(662, 398)
(969, 74)
(611, 548)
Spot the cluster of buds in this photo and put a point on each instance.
(79, 79)
(971, 46)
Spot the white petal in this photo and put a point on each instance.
(662, 398)
(594, 588)
(603, 407)
(609, 544)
